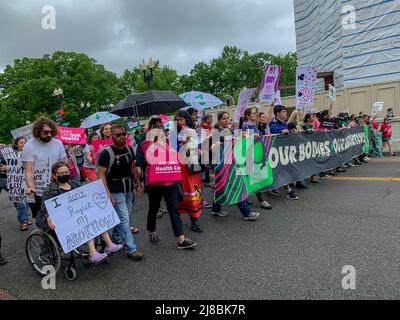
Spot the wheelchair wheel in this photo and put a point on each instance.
(42, 250)
(70, 273)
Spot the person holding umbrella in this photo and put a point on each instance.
(191, 202)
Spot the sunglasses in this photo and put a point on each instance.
(47, 132)
(118, 135)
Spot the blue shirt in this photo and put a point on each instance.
(277, 126)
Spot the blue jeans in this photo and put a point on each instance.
(122, 232)
(22, 210)
(243, 207)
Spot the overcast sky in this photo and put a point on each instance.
(120, 33)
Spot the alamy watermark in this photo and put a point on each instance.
(49, 280)
(349, 280)
(49, 20)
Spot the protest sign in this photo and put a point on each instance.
(71, 135)
(270, 82)
(305, 86)
(332, 92)
(16, 183)
(243, 102)
(98, 145)
(377, 107)
(81, 215)
(278, 98)
(23, 132)
(41, 175)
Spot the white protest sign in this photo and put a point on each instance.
(305, 86)
(278, 98)
(377, 107)
(23, 132)
(270, 82)
(81, 215)
(332, 92)
(16, 183)
(244, 98)
(41, 175)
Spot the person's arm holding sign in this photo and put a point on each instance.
(101, 171)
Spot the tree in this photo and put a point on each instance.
(26, 89)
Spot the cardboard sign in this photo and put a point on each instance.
(332, 92)
(71, 135)
(41, 175)
(16, 183)
(305, 86)
(23, 132)
(81, 215)
(270, 82)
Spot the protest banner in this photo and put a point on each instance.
(16, 183)
(377, 107)
(269, 84)
(98, 145)
(71, 135)
(243, 102)
(278, 160)
(278, 98)
(41, 175)
(23, 132)
(81, 215)
(305, 86)
(332, 92)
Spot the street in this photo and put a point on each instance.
(295, 251)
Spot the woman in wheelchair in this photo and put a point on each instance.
(61, 182)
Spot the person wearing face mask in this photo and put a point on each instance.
(42, 150)
(61, 182)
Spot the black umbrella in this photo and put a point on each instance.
(149, 103)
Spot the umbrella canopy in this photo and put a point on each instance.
(98, 118)
(201, 100)
(149, 103)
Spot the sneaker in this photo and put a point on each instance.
(186, 244)
(340, 170)
(252, 216)
(220, 213)
(274, 193)
(363, 160)
(113, 249)
(2, 260)
(292, 196)
(154, 237)
(196, 227)
(367, 158)
(266, 205)
(98, 257)
(206, 205)
(135, 256)
(350, 165)
(159, 214)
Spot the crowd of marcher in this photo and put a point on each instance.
(126, 169)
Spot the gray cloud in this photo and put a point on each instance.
(120, 33)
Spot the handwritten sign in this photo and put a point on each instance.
(71, 135)
(332, 92)
(243, 102)
(16, 183)
(23, 132)
(41, 175)
(305, 86)
(377, 107)
(81, 215)
(270, 82)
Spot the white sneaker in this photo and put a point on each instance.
(266, 205)
(252, 216)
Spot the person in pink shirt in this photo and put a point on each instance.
(386, 130)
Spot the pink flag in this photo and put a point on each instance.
(71, 135)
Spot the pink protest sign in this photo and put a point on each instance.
(270, 82)
(98, 145)
(243, 102)
(71, 135)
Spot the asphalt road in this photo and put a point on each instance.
(295, 251)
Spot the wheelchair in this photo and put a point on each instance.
(43, 249)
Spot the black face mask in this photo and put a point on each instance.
(63, 179)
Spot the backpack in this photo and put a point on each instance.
(113, 157)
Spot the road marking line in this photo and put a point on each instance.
(365, 179)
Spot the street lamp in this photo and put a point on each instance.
(85, 108)
(148, 71)
(58, 96)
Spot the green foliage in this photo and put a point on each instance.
(27, 86)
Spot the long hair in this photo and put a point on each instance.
(39, 125)
(91, 136)
(57, 166)
(102, 129)
(16, 141)
(188, 118)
